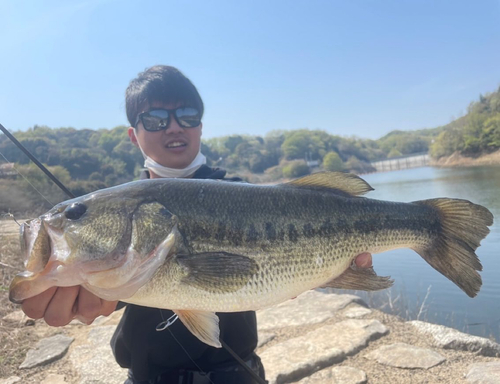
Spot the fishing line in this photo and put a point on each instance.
(13, 166)
(8, 214)
(180, 345)
(165, 324)
(35, 160)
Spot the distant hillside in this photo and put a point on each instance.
(87, 160)
(475, 134)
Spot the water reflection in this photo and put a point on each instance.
(446, 303)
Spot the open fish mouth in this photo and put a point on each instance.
(49, 261)
(36, 247)
(36, 250)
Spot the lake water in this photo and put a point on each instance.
(445, 303)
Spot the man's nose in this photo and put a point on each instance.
(173, 127)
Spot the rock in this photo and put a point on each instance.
(15, 317)
(264, 338)
(95, 362)
(484, 373)
(311, 307)
(46, 351)
(336, 375)
(449, 338)
(54, 379)
(403, 355)
(297, 358)
(356, 311)
(10, 380)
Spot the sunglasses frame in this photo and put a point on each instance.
(171, 112)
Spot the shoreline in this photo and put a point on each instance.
(459, 160)
(315, 339)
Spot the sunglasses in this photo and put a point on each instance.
(158, 119)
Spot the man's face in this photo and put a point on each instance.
(175, 147)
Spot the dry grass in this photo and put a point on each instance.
(16, 337)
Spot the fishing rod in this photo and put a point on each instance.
(254, 375)
(35, 160)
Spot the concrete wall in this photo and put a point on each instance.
(396, 164)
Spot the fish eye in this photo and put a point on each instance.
(75, 211)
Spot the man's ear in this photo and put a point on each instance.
(201, 129)
(132, 136)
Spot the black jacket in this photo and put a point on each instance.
(137, 345)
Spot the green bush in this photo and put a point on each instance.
(333, 162)
(296, 169)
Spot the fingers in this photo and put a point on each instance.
(88, 306)
(364, 260)
(36, 306)
(60, 309)
(58, 306)
(108, 307)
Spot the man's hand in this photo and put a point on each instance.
(364, 260)
(59, 305)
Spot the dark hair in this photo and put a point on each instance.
(160, 83)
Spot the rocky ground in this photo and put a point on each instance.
(316, 338)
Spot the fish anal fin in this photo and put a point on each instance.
(364, 279)
(220, 272)
(336, 181)
(204, 325)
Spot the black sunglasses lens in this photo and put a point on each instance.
(155, 120)
(188, 117)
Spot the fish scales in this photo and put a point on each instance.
(317, 240)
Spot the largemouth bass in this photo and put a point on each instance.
(202, 246)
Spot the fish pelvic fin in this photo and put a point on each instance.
(462, 227)
(364, 279)
(346, 183)
(204, 325)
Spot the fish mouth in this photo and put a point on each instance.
(36, 251)
(19, 286)
(36, 244)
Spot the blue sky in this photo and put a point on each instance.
(360, 68)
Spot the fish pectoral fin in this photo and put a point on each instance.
(335, 181)
(364, 279)
(204, 325)
(220, 272)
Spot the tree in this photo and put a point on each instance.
(333, 162)
(394, 153)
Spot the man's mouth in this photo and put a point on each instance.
(176, 144)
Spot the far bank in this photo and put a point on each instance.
(459, 160)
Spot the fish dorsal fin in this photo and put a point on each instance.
(338, 181)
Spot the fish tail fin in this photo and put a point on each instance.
(462, 226)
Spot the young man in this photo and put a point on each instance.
(164, 110)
